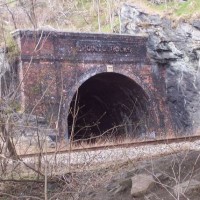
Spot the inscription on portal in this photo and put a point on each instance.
(104, 47)
(111, 51)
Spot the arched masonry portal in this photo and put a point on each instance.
(117, 84)
(108, 104)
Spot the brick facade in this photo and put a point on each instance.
(53, 65)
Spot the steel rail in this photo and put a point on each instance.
(114, 146)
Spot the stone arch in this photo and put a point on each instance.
(127, 91)
(98, 70)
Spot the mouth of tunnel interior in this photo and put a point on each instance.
(108, 105)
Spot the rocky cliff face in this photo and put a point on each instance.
(175, 47)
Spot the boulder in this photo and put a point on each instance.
(141, 183)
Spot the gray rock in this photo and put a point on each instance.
(111, 186)
(126, 183)
(52, 145)
(131, 173)
(120, 186)
(177, 49)
(41, 120)
(196, 24)
(186, 187)
(52, 186)
(161, 178)
(92, 194)
(141, 184)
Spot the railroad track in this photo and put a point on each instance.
(115, 146)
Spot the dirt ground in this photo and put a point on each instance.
(98, 184)
(175, 169)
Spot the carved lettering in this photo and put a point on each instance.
(90, 46)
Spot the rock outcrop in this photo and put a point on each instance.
(176, 49)
(141, 183)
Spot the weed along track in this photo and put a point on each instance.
(107, 153)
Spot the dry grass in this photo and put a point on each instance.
(25, 147)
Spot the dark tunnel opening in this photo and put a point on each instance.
(108, 105)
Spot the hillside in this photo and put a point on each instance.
(81, 15)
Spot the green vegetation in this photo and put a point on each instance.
(12, 49)
(190, 8)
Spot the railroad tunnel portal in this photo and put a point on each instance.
(108, 105)
(120, 91)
